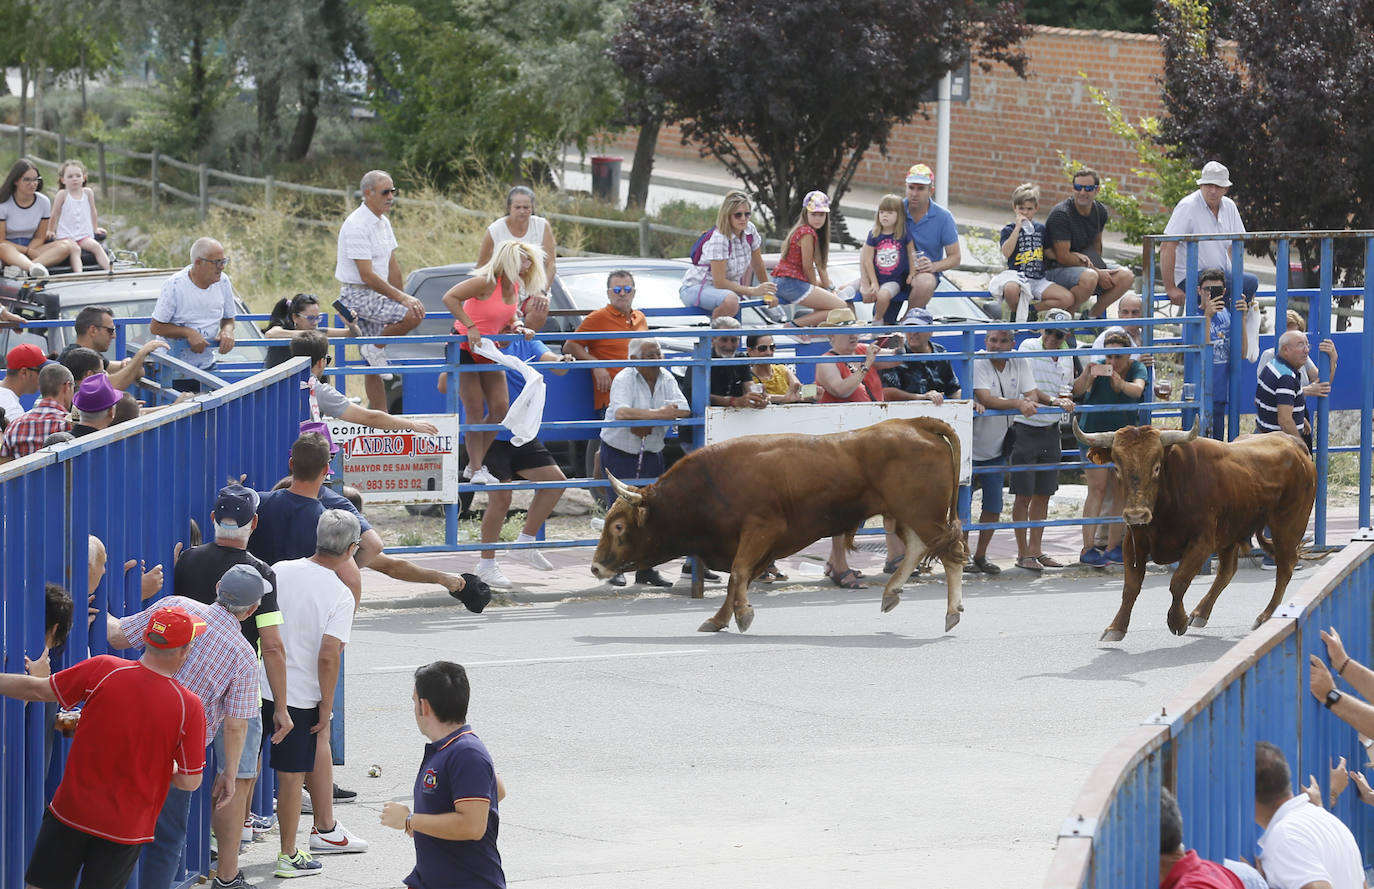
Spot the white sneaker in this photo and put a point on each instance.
(337, 840)
(532, 557)
(38, 270)
(483, 476)
(373, 354)
(466, 474)
(493, 577)
(306, 808)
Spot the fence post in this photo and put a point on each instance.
(23, 140)
(267, 188)
(154, 178)
(644, 236)
(61, 148)
(204, 192)
(100, 166)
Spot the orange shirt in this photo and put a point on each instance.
(607, 318)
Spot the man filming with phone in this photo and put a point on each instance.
(1212, 292)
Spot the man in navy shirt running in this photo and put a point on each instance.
(455, 821)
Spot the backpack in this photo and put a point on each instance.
(706, 236)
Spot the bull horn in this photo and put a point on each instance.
(1093, 439)
(1178, 436)
(623, 490)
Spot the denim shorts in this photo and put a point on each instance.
(990, 484)
(791, 290)
(252, 746)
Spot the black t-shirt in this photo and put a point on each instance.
(200, 568)
(920, 377)
(70, 347)
(81, 429)
(729, 380)
(1065, 223)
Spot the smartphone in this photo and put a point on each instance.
(1101, 370)
(345, 312)
(889, 341)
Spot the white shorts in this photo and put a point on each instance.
(1036, 286)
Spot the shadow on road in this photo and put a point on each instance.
(1117, 665)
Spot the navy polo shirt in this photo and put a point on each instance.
(456, 768)
(287, 522)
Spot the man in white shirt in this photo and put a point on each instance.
(1303, 846)
(1037, 441)
(370, 277)
(1207, 211)
(1005, 384)
(317, 616)
(197, 306)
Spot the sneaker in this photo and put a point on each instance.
(237, 883)
(652, 578)
(373, 354)
(1114, 556)
(38, 270)
(985, 566)
(261, 824)
(483, 476)
(706, 573)
(306, 808)
(335, 841)
(344, 796)
(971, 568)
(466, 474)
(618, 580)
(534, 558)
(493, 577)
(1093, 557)
(247, 833)
(297, 865)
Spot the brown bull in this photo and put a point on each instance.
(743, 503)
(1187, 497)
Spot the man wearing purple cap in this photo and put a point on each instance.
(95, 403)
(143, 733)
(933, 230)
(22, 365)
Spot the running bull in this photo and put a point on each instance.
(743, 503)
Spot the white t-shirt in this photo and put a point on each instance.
(1051, 373)
(1304, 844)
(500, 232)
(22, 222)
(9, 402)
(629, 389)
(737, 253)
(314, 603)
(181, 302)
(1013, 381)
(1192, 217)
(364, 235)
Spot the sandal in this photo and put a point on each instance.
(1049, 561)
(830, 571)
(1030, 563)
(848, 580)
(893, 564)
(771, 574)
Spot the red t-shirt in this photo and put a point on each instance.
(1192, 872)
(870, 390)
(135, 722)
(790, 265)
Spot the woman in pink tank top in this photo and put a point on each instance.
(483, 306)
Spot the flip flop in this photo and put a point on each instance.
(1030, 563)
(771, 574)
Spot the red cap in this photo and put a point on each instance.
(25, 355)
(172, 628)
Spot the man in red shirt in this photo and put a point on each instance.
(51, 413)
(1179, 869)
(139, 733)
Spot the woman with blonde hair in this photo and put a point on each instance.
(482, 306)
(731, 250)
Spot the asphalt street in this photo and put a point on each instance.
(832, 745)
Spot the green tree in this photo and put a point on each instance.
(1136, 16)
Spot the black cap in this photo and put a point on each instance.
(475, 594)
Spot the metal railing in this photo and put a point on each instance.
(135, 486)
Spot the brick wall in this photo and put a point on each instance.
(1009, 130)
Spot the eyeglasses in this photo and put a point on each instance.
(768, 348)
(740, 214)
(1080, 187)
(36, 180)
(388, 192)
(217, 263)
(623, 288)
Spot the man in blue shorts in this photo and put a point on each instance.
(932, 228)
(456, 791)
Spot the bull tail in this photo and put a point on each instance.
(950, 542)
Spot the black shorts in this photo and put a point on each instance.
(504, 460)
(61, 853)
(1033, 444)
(296, 752)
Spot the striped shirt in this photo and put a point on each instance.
(222, 668)
(1278, 385)
(27, 433)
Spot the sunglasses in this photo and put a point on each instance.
(388, 192)
(1080, 187)
(109, 330)
(741, 214)
(1055, 333)
(763, 348)
(623, 288)
(313, 319)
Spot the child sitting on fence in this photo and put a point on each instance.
(74, 216)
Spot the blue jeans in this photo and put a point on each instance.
(160, 861)
(336, 725)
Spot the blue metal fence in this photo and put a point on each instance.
(136, 486)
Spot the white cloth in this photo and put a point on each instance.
(1306, 844)
(314, 603)
(9, 402)
(1100, 343)
(1192, 217)
(364, 235)
(1252, 326)
(23, 222)
(527, 411)
(1014, 380)
(182, 303)
(629, 389)
(1053, 374)
(737, 253)
(500, 232)
(75, 221)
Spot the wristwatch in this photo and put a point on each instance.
(1331, 698)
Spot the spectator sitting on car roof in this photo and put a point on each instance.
(95, 330)
(733, 248)
(314, 345)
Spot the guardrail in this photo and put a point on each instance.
(135, 486)
(1201, 745)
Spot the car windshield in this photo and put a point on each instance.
(654, 289)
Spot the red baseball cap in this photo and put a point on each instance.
(25, 355)
(172, 628)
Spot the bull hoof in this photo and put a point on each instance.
(1259, 621)
(951, 621)
(1196, 620)
(744, 618)
(961, 606)
(891, 601)
(1180, 631)
(710, 626)
(1111, 635)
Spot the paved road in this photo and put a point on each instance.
(830, 746)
